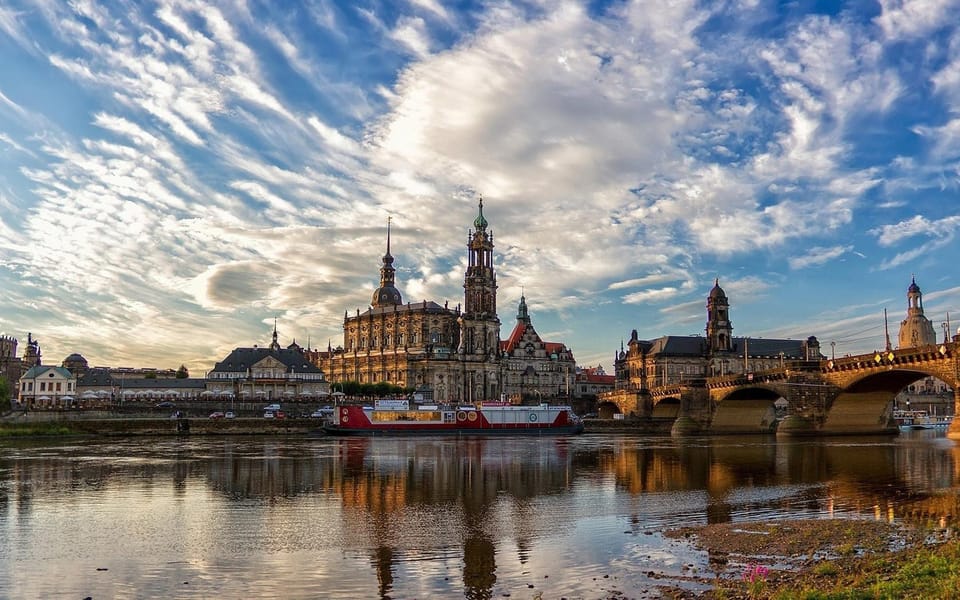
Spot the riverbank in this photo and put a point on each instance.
(821, 559)
(114, 427)
(76, 423)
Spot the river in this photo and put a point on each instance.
(298, 517)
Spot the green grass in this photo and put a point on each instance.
(9, 430)
(929, 573)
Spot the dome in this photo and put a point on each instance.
(914, 288)
(75, 358)
(717, 291)
(75, 363)
(386, 295)
(480, 222)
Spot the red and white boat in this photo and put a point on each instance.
(395, 417)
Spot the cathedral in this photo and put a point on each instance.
(448, 354)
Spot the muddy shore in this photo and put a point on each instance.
(785, 558)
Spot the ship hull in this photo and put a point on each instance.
(456, 431)
(463, 421)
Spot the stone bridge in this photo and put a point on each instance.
(847, 396)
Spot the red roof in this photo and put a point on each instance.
(590, 376)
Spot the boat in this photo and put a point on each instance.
(393, 417)
(921, 419)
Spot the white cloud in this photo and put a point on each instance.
(818, 256)
(915, 18)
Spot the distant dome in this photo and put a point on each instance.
(914, 288)
(717, 291)
(75, 363)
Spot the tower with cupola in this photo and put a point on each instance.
(916, 330)
(479, 325)
(719, 328)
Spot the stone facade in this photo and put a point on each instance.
(535, 369)
(11, 366)
(672, 360)
(447, 355)
(268, 374)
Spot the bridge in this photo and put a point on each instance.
(852, 395)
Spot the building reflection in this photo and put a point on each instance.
(396, 498)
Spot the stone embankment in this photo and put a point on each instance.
(106, 424)
(159, 426)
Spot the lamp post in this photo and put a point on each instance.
(833, 351)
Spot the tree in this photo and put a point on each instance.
(4, 394)
(182, 372)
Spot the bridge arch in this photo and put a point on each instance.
(667, 407)
(608, 408)
(866, 402)
(746, 410)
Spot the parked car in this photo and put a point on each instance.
(230, 415)
(272, 407)
(280, 414)
(269, 415)
(217, 415)
(166, 404)
(322, 413)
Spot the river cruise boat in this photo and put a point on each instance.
(921, 419)
(396, 417)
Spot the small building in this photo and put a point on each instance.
(48, 387)
(591, 382)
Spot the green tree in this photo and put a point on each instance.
(4, 394)
(182, 372)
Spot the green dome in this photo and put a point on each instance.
(480, 222)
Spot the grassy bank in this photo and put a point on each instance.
(831, 559)
(13, 430)
(928, 572)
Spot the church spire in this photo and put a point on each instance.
(522, 315)
(387, 294)
(275, 344)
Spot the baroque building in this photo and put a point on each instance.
(267, 374)
(448, 354)
(675, 359)
(916, 329)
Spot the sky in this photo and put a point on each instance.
(176, 176)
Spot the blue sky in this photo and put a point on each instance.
(174, 175)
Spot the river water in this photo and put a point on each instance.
(577, 517)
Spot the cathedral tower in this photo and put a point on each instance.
(387, 294)
(480, 327)
(479, 324)
(916, 329)
(719, 328)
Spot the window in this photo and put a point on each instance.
(58, 386)
(43, 386)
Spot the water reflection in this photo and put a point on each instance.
(422, 517)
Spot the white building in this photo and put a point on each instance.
(48, 387)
